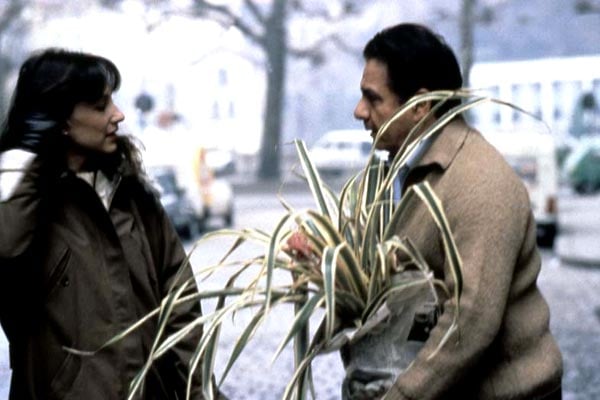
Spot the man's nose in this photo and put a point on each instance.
(360, 111)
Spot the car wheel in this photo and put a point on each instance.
(585, 187)
(546, 236)
(228, 218)
(193, 229)
(590, 187)
(184, 232)
(200, 224)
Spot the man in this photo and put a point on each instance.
(503, 348)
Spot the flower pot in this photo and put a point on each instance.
(373, 359)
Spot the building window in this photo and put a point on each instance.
(223, 77)
(215, 110)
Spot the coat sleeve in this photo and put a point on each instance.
(20, 194)
(174, 271)
(489, 222)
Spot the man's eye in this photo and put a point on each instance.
(100, 106)
(371, 98)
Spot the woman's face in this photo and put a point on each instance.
(93, 127)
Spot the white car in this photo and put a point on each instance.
(342, 151)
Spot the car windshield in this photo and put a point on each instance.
(166, 180)
(525, 167)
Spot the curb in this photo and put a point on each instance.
(579, 261)
(253, 185)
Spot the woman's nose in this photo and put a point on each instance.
(118, 115)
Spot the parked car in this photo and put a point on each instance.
(213, 188)
(175, 201)
(210, 195)
(342, 151)
(221, 161)
(582, 166)
(533, 157)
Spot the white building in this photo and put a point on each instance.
(550, 88)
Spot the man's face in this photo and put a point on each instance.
(378, 103)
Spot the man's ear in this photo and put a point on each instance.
(422, 108)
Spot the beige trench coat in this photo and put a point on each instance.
(503, 348)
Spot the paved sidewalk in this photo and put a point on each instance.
(579, 229)
(575, 249)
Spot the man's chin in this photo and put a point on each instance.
(386, 147)
(380, 145)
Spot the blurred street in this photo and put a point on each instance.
(571, 285)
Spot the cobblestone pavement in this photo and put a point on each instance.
(572, 292)
(573, 295)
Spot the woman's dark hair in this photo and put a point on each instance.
(415, 58)
(50, 83)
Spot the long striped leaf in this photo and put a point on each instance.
(436, 210)
(312, 175)
(350, 270)
(301, 320)
(328, 268)
(273, 248)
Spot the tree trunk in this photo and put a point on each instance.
(467, 26)
(275, 48)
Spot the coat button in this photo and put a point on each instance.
(65, 281)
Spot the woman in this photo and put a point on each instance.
(85, 247)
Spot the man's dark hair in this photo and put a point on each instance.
(416, 58)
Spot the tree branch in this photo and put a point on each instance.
(229, 18)
(10, 14)
(347, 8)
(255, 11)
(314, 52)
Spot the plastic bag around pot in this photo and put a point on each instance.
(374, 357)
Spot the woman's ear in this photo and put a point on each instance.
(422, 109)
(65, 128)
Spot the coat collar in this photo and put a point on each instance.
(445, 147)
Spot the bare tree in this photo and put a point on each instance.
(264, 24)
(471, 14)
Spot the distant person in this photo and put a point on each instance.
(86, 249)
(503, 348)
